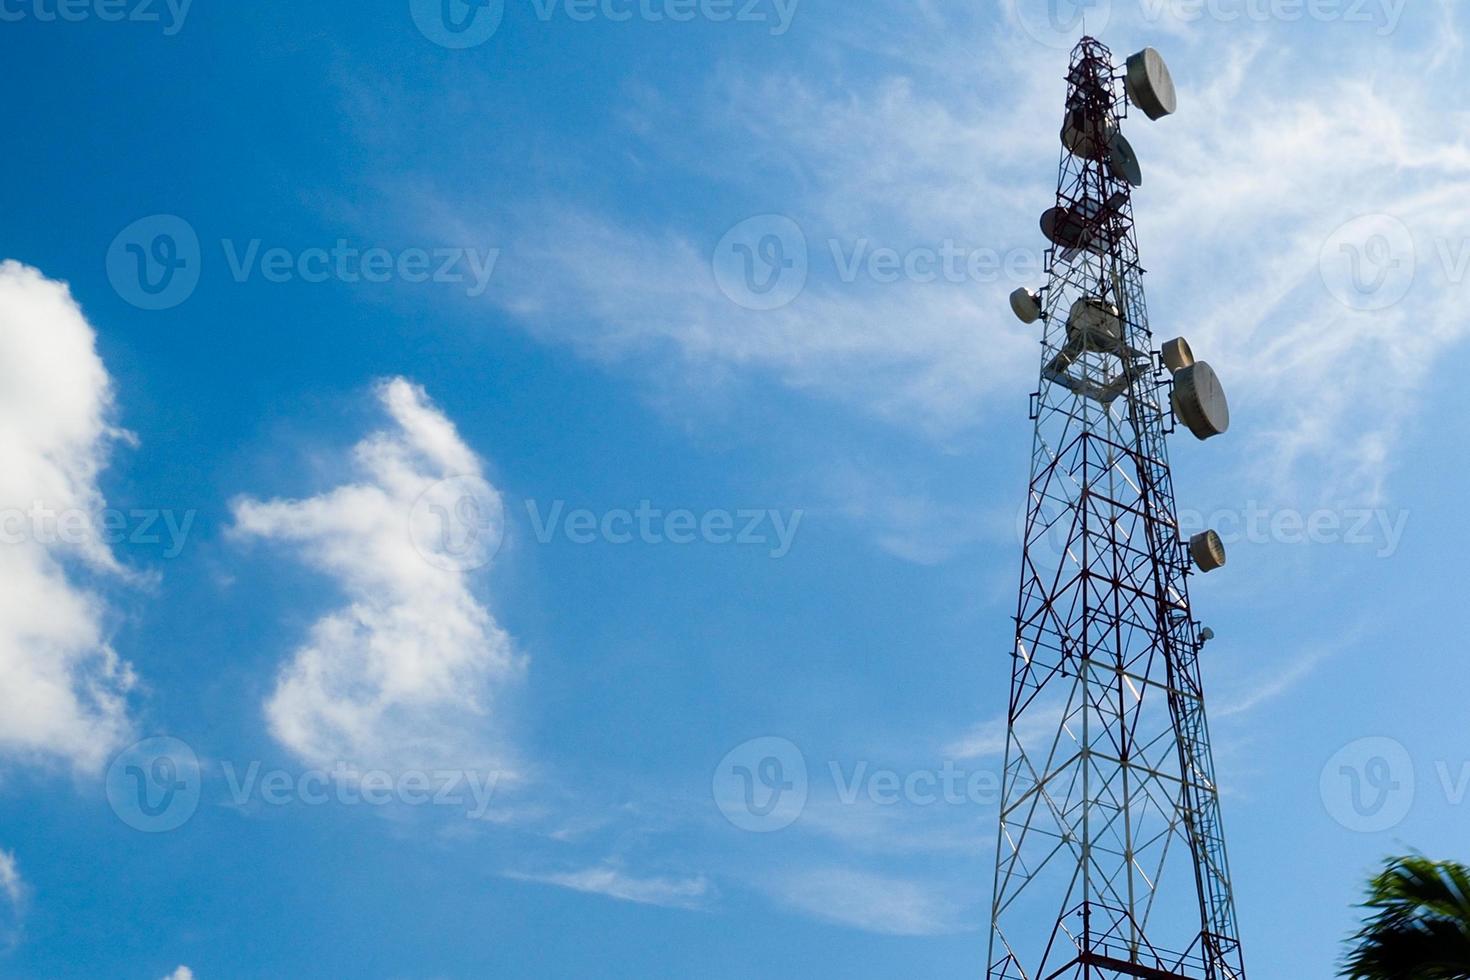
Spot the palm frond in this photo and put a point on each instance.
(1420, 924)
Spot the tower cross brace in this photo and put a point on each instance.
(1111, 857)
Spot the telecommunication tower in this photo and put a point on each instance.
(1111, 858)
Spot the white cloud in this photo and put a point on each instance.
(12, 886)
(893, 352)
(957, 828)
(908, 137)
(1270, 685)
(1274, 148)
(1038, 723)
(985, 740)
(1239, 699)
(65, 689)
(408, 672)
(1249, 183)
(182, 973)
(909, 522)
(680, 893)
(13, 891)
(871, 902)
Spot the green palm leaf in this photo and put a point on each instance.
(1420, 926)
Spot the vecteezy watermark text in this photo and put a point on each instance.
(1255, 524)
(1057, 23)
(459, 524)
(1357, 527)
(169, 13)
(763, 263)
(1383, 15)
(156, 785)
(1371, 785)
(140, 526)
(156, 262)
(460, 24)
(1373, 261)
(344, 785)
(949, 262)
(778, 13)
(647, 524)
(763, 785)
(348, 263)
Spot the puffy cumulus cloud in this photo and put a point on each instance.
(405, 675)
(65, 691)
(182, 973)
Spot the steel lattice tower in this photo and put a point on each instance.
(1111, 860)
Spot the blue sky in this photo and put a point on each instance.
(456, 530)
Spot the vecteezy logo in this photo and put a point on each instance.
(458, 524)
(1369, 785)
(457, 24)
(761, 263)
(153, 263)
(761, 786)
(153, 785)
(1370, 262)
(1060, 23)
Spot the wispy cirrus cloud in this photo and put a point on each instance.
(1247, 190)
(907, 138)
(1259, 691)
(896, 352)
(613, 882)
(13, 891)
(1244, 189)
(871, 902)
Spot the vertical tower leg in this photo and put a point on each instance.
(1111, 859)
